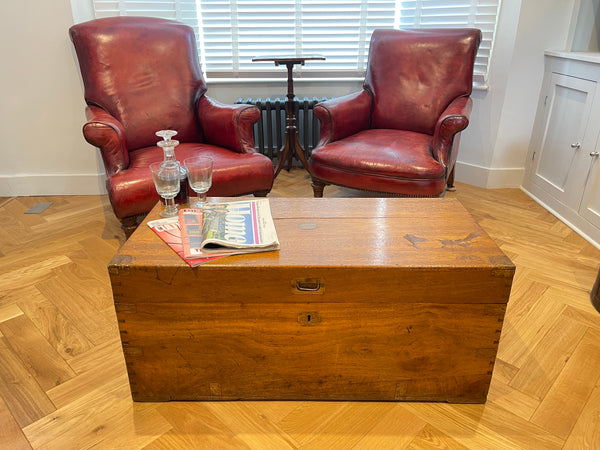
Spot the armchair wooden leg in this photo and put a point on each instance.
(450, 182)
(129, 225)
(261, 193)
(318, 187)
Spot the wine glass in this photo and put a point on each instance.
(199, 169)
(167, 181)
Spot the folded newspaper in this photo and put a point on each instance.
(228, 228)
(169, 231)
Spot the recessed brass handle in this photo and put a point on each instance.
(308, 286)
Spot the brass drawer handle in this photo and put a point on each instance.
(308, 286)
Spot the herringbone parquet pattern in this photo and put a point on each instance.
(63, 382)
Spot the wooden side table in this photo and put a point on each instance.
(291, 144)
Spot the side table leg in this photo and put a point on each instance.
(300, 152)
(291, 145)
(283, 154)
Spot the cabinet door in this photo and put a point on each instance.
(558, 163)
(590, 203)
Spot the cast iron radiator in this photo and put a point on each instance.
(269, 131)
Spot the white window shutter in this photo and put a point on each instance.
(480, 14)
(180, 10)
(232, 32)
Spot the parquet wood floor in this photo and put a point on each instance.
(63, 383)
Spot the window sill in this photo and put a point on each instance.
(215, 81)
(229, 81)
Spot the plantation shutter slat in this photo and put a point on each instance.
(232, 32)
(480, 14)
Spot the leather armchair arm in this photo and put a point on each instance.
(344, 116)
(228, 126)
(453, 120)
(105, 132)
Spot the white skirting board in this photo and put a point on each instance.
(572, 219)
(489, 177)
(94, 183)
(25, 185)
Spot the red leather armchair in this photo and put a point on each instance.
(142, 75)
(400, 134)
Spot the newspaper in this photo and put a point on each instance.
(228, 228)
(169, 231)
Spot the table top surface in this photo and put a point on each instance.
(289, 58)
(352, 232)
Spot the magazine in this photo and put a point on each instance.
(228, 228)
(169, 231)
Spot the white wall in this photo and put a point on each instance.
(42, 106)
(41, 113)
(586, 36)
(494, 147)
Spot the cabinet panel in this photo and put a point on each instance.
(559, 159)
(590, 203)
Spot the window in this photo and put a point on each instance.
(232, 32)
(480, 14)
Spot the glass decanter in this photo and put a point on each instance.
(168, 145)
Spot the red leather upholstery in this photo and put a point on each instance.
(142, 75)
(400, 133)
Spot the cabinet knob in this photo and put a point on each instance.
(594, 153)
(576, 146)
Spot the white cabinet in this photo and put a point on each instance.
(563, 163)
(590, 203)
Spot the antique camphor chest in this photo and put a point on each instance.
(368, 299)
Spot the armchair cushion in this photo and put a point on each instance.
(375, 160)
(133, 192)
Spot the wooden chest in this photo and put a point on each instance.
(368, 299)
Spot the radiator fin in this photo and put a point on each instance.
(269, 131)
